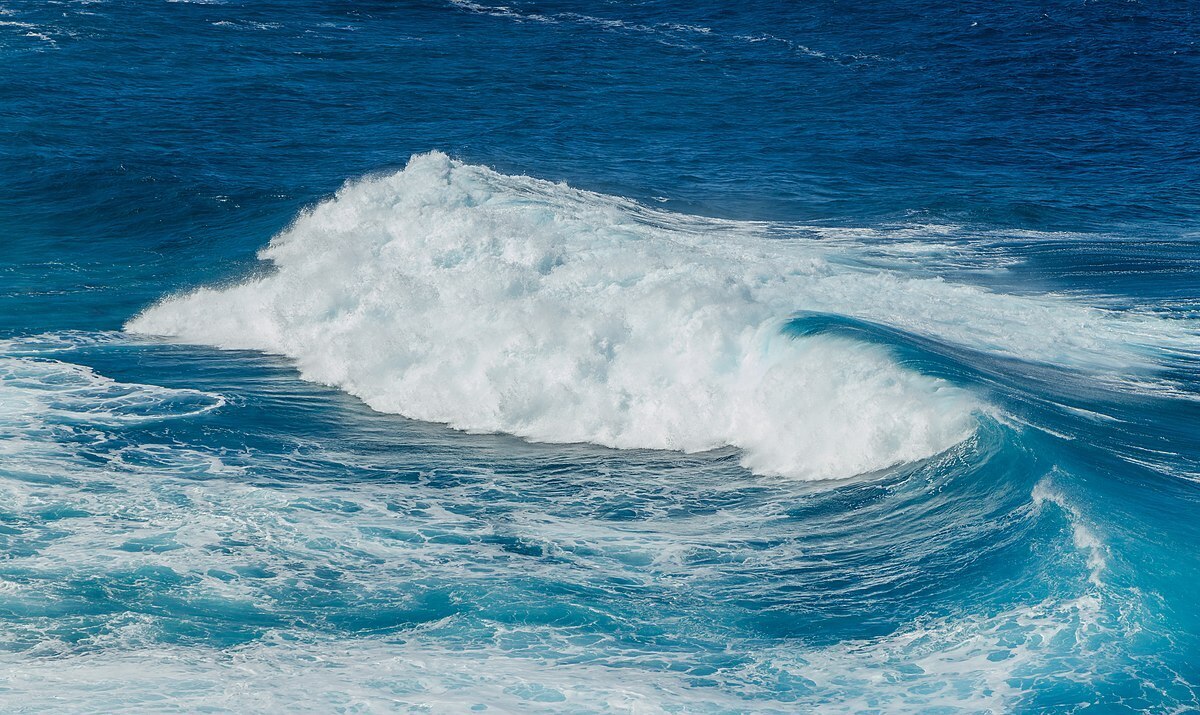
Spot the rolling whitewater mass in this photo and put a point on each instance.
(611, 357)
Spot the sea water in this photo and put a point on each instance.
(599, 357)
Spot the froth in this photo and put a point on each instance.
(42, 390)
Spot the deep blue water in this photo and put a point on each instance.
(724, 357)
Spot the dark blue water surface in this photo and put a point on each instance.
(1001, 197)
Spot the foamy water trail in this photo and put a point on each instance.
(40, 390)
(451, 293)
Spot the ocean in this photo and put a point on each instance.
(599, 357)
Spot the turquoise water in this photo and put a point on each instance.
(621, 357)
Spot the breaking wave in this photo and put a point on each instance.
(452, 293)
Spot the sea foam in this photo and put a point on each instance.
(37, 391)
(452, 293)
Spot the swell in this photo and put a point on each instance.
(451, 293)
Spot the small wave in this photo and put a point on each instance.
(1085, 539)
(30, 30)
(247, 25)
(667, 33)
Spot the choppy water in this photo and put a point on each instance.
(608, 357)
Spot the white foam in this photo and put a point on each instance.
(33, 391)
(662, 32)
(452, 293)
